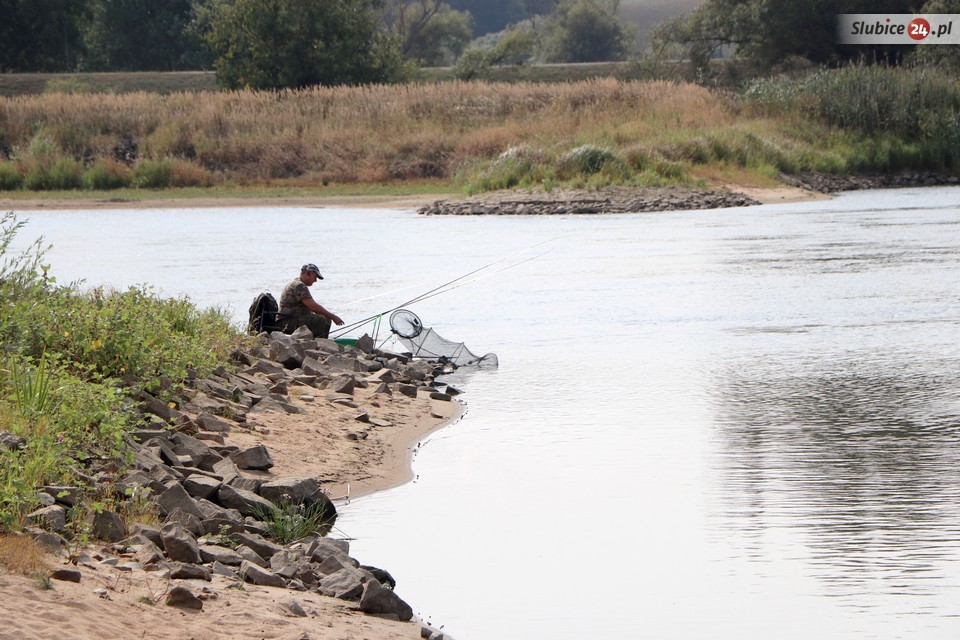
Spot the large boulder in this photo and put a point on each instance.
(176, 497)
(246, 502)
(260, 575)
(253, 458)
(178, 544)
(378, 600)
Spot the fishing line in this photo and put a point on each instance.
(443, 288)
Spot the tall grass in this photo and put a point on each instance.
(906, 118)
(445, 130)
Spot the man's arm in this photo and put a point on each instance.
(312, 304)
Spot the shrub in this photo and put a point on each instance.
(189, 174)
(518, 166)
(153, 174)
(10, 176)
(106, 173)
(290, 521)
(589, 159)
(62, 352)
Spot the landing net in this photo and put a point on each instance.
(424, 342)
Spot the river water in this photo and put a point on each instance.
(738, 423)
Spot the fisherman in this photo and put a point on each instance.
(298, 308)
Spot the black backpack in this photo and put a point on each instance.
(263, 314)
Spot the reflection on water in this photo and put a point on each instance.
(864, 464)
(723, 424)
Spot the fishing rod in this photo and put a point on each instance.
(443, 288)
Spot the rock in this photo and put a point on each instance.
(246, 502)
(223, 570)
(249, 555)
(63, 495)
(257, 458)
(288, 564)
(382, 576)
(260, 575)
(290, 490)
(210, 422)
(283, 352)
(199, 486)
(11, 442)
(295, 608)
(223, 555)
(176, 497)
(108, 526)
(149, 554)
(178, 544)
(189, 521)
(159, 408)
(146, 533)
(366, 344)
(408, 390)
(377, 599)
(183, 571)
(346, 584)
(312, 366)
(260, 545)
(66, 575)
(53, 518)
(302, 333)
(226, 470)
(202, 456)
(183, 598)
(247, 484)
(342, 384)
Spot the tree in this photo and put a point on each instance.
(270, 44)
(430, 32)
(143, 35)
(944, 56)
(441, 40)
(490, 16)
(41, 35)
(586, 31)
(768, 32)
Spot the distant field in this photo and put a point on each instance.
(189, 81)
(13, 84)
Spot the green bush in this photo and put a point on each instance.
(588, 159)
(60, 174)
(106, 174)
(63, 352)
(519, 166)
(153, 174)
(10, 176)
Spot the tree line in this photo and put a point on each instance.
(280, 43)
(296, 43)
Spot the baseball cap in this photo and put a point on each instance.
(312, 267)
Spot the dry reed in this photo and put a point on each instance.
(381, 133)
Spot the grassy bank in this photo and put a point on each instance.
(71, 364)
(479, 135)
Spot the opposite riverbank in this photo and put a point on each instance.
(160, 200)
